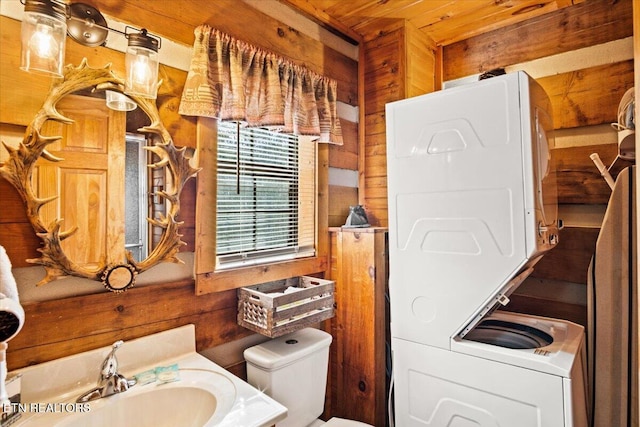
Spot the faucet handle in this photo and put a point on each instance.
(110, 363)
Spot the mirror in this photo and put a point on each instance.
(44, 171)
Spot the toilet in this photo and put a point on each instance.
(292, 369)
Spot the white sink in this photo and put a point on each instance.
(200, 398)
(205, 395)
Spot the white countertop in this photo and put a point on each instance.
(63, 380)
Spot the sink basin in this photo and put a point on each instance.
(205, 395)
(201, 398)
(153, 408)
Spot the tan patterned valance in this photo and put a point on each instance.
(232, 80)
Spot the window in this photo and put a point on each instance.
(266, 196)
(135, 196)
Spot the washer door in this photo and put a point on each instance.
(509, 335)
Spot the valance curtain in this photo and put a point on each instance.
(234, 81)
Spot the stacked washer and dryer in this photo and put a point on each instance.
(472, 209)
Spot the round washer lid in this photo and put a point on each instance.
(288, 348)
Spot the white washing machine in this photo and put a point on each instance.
(472, 208)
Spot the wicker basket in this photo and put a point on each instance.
(277, 308)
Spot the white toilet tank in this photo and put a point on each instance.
(292, 369)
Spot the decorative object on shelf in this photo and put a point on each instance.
(43, 43)
(357, 218)
(19, 167)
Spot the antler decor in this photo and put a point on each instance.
(18, 170)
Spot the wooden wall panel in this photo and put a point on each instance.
(345, 156)
(242, 21)
(375, 123)
(182, 129)
(58, 328)
(569, 260)
(585, 97)
(188, 215)
(528, 304)
(359, 325)
(16, 233)
(580, 98)
(587, 24)
(65, 326)
(12, 208)
(579, 181)
(385, 73)
(398, 64)
(375, 31)
(421, 62)
(385, 82)
(589, 96)
(340, 199)
(18, 106)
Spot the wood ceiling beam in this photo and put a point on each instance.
(323, 18)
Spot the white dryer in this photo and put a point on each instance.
(472, 208)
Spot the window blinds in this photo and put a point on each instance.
(265, 196)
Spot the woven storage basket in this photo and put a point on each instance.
(277, 308)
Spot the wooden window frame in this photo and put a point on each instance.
(209, 280)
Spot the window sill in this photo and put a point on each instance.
(213, 281)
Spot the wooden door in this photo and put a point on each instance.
(89, 181)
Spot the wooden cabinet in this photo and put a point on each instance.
(357, 376)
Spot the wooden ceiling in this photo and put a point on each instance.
(445, 21)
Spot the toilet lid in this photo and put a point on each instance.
(340, 422)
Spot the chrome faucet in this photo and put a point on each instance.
(110, 381)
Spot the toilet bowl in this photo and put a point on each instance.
(292, 369)
(338, 422)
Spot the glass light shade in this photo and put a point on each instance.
(142, 68)
(119, 102)
(43, 34)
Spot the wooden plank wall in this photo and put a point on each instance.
(343, 157)
(399, 62)
(65, 326)
(580, 98)
(579, 26)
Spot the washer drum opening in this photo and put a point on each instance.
(509, 335)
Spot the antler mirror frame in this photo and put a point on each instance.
(19, 167)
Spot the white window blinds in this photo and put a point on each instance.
(265, 196)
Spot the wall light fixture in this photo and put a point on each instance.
(43, 42)
(44, 27)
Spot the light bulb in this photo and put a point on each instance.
(42, 42)
(141, 62)
(140, 69)
(142, 73)
(43, 34)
